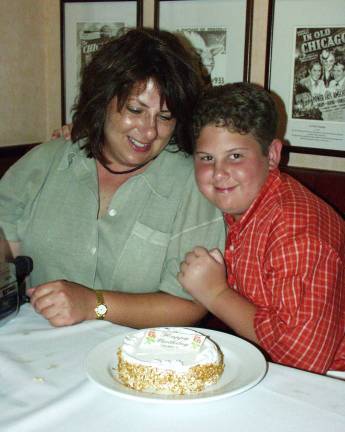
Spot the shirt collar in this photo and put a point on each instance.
(160, 174)
(72, 151)
(272, 182)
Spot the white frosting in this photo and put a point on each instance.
(171, 350)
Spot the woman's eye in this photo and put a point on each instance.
(134, 110)
(165, 117)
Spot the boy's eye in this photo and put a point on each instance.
(206, 158)
(235, 156)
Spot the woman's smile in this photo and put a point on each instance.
(139, 146)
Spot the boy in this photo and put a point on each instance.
(281, 283)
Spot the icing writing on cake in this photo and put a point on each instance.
(165, 339)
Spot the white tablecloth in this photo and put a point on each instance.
(44, 387)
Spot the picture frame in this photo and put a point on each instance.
(305, 63)
(85, 27)
(220, 31)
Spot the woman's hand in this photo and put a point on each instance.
(64, 131)
(203, 275)
(63, 303)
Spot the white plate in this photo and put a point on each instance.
(245, 366)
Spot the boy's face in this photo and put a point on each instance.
(230, 168)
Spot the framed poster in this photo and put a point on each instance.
(85, 27)
(219, 30)
(306, 73)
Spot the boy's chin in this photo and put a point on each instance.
(236, 215)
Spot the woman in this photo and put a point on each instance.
(115, 210)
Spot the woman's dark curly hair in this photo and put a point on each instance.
(240, 107)
(131, 59)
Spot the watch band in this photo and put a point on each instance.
(101, 309)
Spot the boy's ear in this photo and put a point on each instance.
(274, 154)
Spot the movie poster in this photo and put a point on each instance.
(91, 37)
(318, 91)
(210, 44)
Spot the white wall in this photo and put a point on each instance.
(30, 89)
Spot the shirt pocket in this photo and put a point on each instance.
(142, 260)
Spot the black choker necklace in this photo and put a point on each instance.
(128, 171)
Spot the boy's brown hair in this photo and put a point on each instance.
(240, 107)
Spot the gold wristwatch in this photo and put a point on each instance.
(101, 309)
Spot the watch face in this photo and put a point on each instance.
(101, 309)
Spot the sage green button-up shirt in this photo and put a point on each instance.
(49, 202)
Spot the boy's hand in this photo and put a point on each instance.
(203, 275)
(64, 131)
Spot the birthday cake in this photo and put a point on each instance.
(169, 360)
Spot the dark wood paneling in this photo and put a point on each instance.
(9, 155)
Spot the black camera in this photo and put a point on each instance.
(12, 286)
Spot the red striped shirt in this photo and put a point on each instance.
(287, 256)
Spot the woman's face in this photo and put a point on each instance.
(138, 132)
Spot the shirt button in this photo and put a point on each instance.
(232, 248)
(93, 250)
(112, 212)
